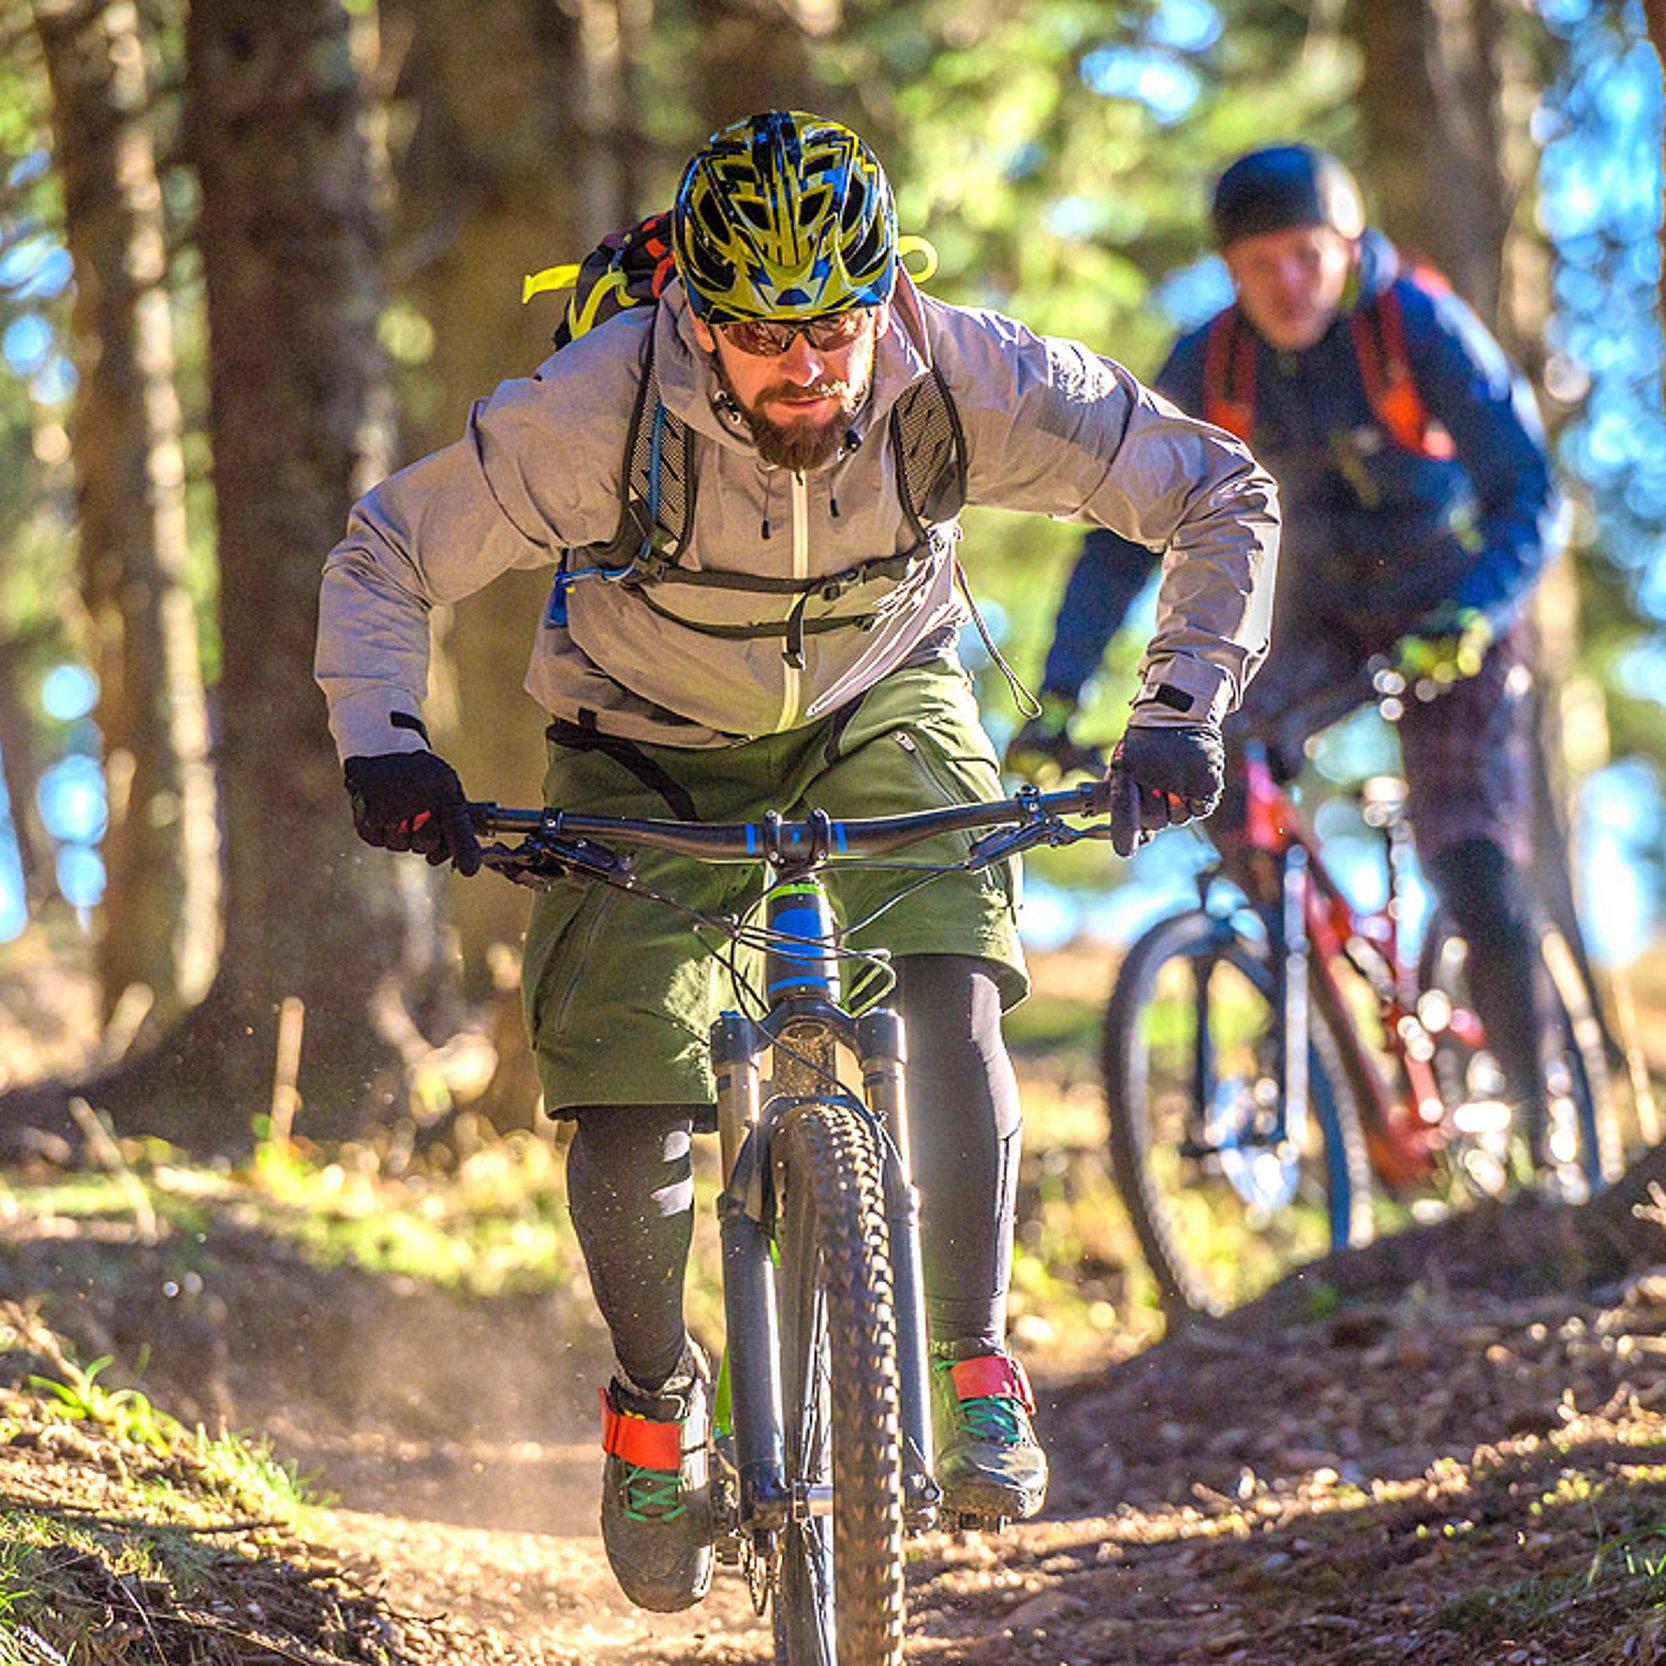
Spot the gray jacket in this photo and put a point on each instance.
(1049, 427)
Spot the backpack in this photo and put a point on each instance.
(1379, 335)
(631, 268)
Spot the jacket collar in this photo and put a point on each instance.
(1379, 265)
(689, 387)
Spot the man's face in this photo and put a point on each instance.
(797, 403)
(1290, 282)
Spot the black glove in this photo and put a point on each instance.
(1162, 777)
(1043, 752)
(413, 801)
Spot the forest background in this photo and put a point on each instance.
(253, 257)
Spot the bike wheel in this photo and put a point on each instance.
(1583, 1139)
(1221, 1209)
(840, 1596)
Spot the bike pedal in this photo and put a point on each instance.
(966, 1521)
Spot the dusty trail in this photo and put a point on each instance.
(1389, 1468)
(1427, 1479)
(501, 1539)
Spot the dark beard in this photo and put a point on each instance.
(796, 447)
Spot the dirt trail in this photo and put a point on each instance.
(1432, 1479)
(1379, 1468)
(501, 1539)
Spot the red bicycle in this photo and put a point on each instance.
(1269, 1055)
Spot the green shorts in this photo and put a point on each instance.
(620, 995)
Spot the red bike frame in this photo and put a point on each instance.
(1315, 929)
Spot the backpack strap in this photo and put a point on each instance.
(930, 446)
(657, 490)
(1379, 330)
(656, 487)
(1229, 375)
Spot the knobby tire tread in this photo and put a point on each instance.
(829, 1151)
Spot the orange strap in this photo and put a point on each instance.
(1379, 336)
(1379, 332)
(1229, 376)
(989, 1375)
(639, 1440)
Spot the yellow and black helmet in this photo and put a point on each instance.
(784, 215)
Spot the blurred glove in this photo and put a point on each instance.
(1162, 777)
(413, 801)
(1043, 752)
(1449, 646)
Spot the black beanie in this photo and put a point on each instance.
(1282, 186)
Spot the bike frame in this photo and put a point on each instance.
(1313, 930)
(803, 1027)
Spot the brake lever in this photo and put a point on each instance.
(543, 857)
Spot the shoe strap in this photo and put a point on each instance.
(988, 1376)
(640, 1440)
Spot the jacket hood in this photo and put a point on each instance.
(690, 389)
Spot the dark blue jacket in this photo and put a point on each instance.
(1373, 534)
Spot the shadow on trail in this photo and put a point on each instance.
(1422, 1452)
(1375, 1363)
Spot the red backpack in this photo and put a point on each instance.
(1379, 332)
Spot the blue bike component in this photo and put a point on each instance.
(800, 960)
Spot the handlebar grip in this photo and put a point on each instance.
(1098, 797)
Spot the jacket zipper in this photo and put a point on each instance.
(792, 679)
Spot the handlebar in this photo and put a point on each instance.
(790, 844)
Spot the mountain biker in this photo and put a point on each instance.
(718, 684)
(1418, 512)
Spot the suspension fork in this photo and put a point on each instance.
(752, 1357)
(1203, 1040)
(1291, 950)
(881, 1050)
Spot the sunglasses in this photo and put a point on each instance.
(769, 338)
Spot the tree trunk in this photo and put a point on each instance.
(299, 420)
(160, 918)
(20, 764)
(751, 55)
(487, 201)
(1429, 104)
(299, 426)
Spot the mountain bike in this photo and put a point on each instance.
(1244, 1054)
(822, 1429)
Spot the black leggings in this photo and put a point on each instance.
(631, 1195)
(1484, 893)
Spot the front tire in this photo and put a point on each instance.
(840, 1598)
(1219, 1210)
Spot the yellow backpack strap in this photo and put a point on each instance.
(611, 281)
(552, 277)
(923, 247)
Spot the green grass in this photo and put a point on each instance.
(225, 1471)
(496, 1224)
(152, 1519)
